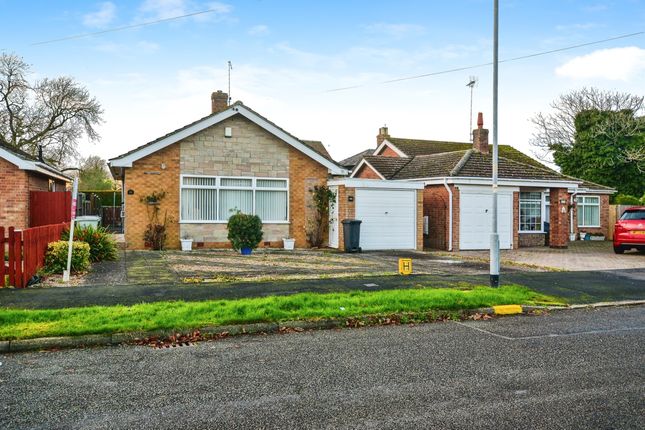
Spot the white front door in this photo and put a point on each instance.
(333, 220)
(388, 218)
(475, 208)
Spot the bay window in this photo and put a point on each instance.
(588, 211)
(213, 199)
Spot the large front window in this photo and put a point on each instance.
(588, 211)
(531, 211)
(214, 198)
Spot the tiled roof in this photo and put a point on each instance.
(430, 166)
(481, 166)
(387, 166)
(18, 152)
(471, 164)
(355, 159)
(414, 147)
(318, 146)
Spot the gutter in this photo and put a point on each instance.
(445, 184)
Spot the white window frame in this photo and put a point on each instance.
(582, 204)
(218, 186)
(544, 196)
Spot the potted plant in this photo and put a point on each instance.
(244, 232)
(596, 236)
(186, 243)
(289, 243)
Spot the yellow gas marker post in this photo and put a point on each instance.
(405, 266)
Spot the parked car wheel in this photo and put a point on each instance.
(619, 249)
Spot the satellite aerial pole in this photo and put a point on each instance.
(472, 82)
(230, 67)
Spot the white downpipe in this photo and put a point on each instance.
(445, 184)
(573, 195)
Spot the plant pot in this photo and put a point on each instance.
(186, 244)
(289, 243)
(572, 237)
(246, 250)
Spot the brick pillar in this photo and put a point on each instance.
(559, 219)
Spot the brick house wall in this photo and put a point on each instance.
(559, 220)
(14, 188)
(145, 177)
(436, 206)
(388, 152)
(304, 174)
(419, 220)
(15, 185)
(367, 172)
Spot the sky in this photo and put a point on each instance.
(288, 56)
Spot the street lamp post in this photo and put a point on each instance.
(494, 237)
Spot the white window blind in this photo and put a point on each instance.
(215, 199)
(588, 211)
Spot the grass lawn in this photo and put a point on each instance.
(25, 324)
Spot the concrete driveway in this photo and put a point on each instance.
(579, 256)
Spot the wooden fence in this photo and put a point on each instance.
(615, 211)
(46, 208)
(26, 251)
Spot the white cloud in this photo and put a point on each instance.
(259, 30)
(617, 64)
(396, 30)
(141, 47)
(102, 17)
(577, 26)
(164, 9)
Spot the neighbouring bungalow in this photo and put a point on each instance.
(536, 205)
(21, 173)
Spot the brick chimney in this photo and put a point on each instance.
(480, 136)
(219, 101)
(382, 135)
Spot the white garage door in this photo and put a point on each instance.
(389, 218)
(476, 218)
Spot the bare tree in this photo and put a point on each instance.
(556, 130)
(52, 113)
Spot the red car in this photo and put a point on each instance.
(630, 230)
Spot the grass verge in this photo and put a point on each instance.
(26, 324)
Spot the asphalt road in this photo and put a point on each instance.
(575, 287)
(570, 369)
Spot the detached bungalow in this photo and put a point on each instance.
(536, 205)
(21, 173)
(232, 159)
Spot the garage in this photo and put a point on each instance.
(476, 208)
(388, 210)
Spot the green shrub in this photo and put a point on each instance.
(244, 230)
(625, 199)
(56, 257)
(102, 244)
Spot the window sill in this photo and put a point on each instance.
(532, 232)
(226, 222)
(588, 226)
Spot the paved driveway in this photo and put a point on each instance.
(579, 256)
